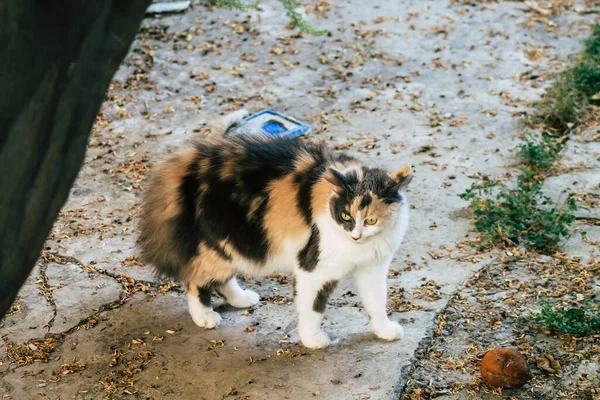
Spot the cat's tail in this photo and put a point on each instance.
(228, 123)
(167, 237)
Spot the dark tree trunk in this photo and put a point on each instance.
(56, 61)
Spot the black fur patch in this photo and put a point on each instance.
(364, 203)
(205, 292)
(323, 295)
(341, 204)
(343, 158)
(308, 257)
(224, 217)
(306, 181)
(205, 295)
(380, 183)
(186, 232)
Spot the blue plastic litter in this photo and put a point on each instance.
(274, 128)
(269, 122)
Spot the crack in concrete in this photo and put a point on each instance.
(129, 285)
(122, 279)
(47, 291)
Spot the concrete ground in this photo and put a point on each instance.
(437, 84)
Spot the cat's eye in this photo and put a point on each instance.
(371, 221)
(345, 216)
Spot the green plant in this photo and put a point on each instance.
(297, 20)
(562, 104)
(586, 76)
(521, 215)
(592, 44)
(235, 4)
(540, 153)
(583, 321)
(290, 7)
(567, 100)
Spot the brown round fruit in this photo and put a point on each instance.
(505, 368)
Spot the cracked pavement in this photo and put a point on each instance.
(438, 84)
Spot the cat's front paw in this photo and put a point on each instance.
(315, 341)
(249, 298)
(389, 330)
(206, 319)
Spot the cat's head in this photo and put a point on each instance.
(366, 199)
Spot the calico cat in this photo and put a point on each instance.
(256, 205)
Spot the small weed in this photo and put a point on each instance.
(520, 215)
(297, 20)
(290, 7)
(235, 4)
(583, 321)
(540, 153)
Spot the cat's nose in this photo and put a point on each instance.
(356, 237)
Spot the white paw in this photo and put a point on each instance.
(206, 319)
(389, 330)
(315, 341)
(248, 299)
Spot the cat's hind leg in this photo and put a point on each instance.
(236, 296)
(199, 306)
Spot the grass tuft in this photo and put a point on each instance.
(567, 101)
(562, 105)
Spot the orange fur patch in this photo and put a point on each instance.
(164, 204)
(378, 209)
(204, 166)
(401, 173)
(283, 219)
(321, 192)
(228, 169)
(209, 267)
(355, 204)
(304, 162)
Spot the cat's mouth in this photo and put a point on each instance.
(357, 240)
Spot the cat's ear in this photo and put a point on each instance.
(337, 179)
(402, 177)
